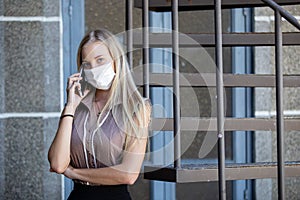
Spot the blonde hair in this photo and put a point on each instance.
(133, 113)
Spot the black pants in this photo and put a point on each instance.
(105, 192)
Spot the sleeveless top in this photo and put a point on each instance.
(95, 146)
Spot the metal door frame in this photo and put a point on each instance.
(159, 189)
(72, 12)
(242, 104)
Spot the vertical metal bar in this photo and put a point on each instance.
(176, 89)
(279, 106)
(129, 33)
(146, 48)
(220, 100)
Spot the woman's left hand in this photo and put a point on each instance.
(70, 172)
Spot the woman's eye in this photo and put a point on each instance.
(100, 60)
(85, 65)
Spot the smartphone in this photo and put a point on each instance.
(82, 82)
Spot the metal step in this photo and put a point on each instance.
(209, 80)
(230, 124)
(190, 5)
(164, 40)
(209, 172)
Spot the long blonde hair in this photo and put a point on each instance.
(133, 115)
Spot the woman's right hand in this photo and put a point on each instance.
(74, 95)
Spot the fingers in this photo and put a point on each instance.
(74, 94)
(75, 75)
(75, 78)
(75, 86)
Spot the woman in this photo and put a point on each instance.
(102, 134)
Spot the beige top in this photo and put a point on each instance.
(95, 146)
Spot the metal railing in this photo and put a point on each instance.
(280, 12)
(218, 36)
(220, 99)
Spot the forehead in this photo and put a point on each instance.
(94, 49)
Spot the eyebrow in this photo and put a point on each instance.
(100, 55)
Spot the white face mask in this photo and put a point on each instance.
(100, 77)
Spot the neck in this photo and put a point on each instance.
(101, 95)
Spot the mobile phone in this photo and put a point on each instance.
(82, 82)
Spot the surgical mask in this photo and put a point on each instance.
(100, 77)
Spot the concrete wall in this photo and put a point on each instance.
(265, 141)
(30, 97)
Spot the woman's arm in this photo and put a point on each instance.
(125, 173)
(59, 151)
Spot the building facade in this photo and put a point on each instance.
(38, 41)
